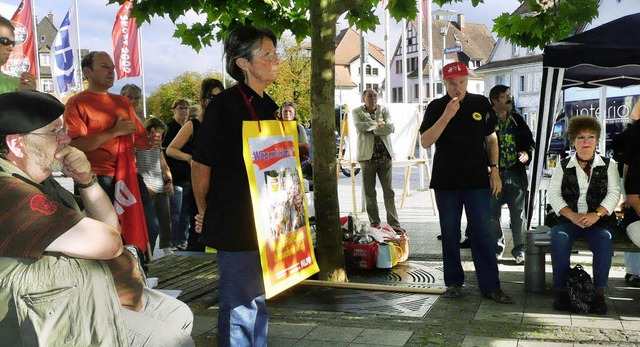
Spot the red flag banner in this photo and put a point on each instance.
(125, 43)
(23, 56)
(127, 200)
(426, 14)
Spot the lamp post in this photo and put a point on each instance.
(447, 16)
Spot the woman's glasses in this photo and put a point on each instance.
(586, 138)
(59, 133)
(5, 41)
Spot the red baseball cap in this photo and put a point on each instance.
(456, 69)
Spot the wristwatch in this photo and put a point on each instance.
(94, 179)
(598, 214)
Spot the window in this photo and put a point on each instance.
(439, 88)
(412, 40)
(373, 86)
(46, 85)
(396, 94)
(398, 66)
(416, 91)
(367, 70)
(515, 50)
(412, 64)
(522, 85)
(374, 71)
(500, 80)
(44, 59)
(530, 50)
(42, 38)
(475, 63)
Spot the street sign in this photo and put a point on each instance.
(454, 49)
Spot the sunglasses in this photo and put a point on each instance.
(5, 41)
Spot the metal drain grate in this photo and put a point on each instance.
(411, 274)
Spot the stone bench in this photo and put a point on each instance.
(538, 241)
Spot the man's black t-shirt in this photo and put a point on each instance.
(460, 160)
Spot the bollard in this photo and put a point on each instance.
(534, 265)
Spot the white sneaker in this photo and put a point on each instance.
(167, 251)
(520, 259)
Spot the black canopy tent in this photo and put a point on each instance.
(607, 55)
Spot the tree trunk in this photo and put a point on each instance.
(329, 235)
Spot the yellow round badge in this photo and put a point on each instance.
(476, 116)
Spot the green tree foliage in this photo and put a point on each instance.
(294, 79)
(546, 21)
(185, 86)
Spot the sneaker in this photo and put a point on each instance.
(632, 280)
(598, 306)
(465, 244)
(167, 251)
(452, 292)
(500, 296)
(182, 247)
(562, 302)
(520, 259)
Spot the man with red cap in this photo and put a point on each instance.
(460, 125)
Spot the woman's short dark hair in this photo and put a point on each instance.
(241, 43)
(582, 123)
(7, 23)
(288, 103)
(154, 122)
(180, 101)
(208, 84)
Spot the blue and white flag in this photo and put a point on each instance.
(64, 55)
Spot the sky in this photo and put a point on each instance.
(166, 58)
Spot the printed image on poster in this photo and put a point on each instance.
(279, 207)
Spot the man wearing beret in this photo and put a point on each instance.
(63, 271)
(7, 44)
(460, 125)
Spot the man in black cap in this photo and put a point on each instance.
(64, 271)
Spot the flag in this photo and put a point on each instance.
(125, 43)
(127, 200)
(426, 13)
(23, 57)
(64, 54)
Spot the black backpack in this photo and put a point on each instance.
(580, 288)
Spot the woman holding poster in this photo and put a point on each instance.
(221, 185)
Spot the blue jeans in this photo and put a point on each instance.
(476, 205)
(600, 243)
(242, 318)
(512, 194)
(179, 205)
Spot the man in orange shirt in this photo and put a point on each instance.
(100, 123)
(96, 118)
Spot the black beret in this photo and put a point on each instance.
(27, 110)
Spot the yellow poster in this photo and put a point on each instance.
(279, 207)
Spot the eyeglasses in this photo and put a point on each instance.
(271, 56)
(5, 41)
(59, 134)
(586, 138)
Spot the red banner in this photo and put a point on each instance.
(127, 200)
(23, 57)
(125, 43)
(273, 154)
